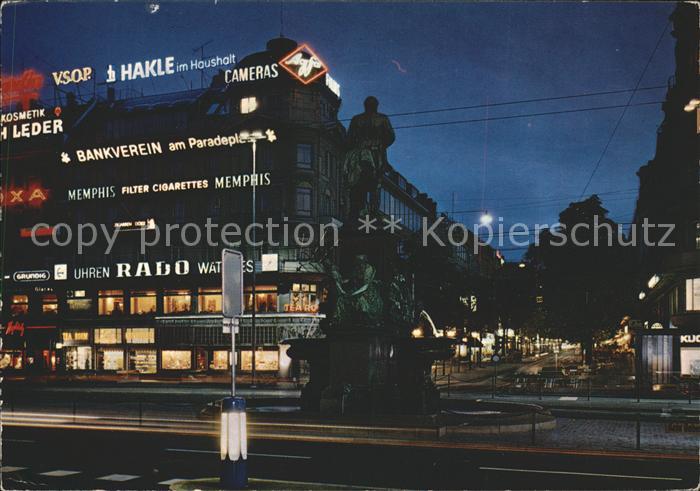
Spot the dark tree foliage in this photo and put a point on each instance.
(585, 273)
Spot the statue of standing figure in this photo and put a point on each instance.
(369, 136)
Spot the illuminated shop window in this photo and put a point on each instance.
(692, 294)
(265, 360)
(248, 105)
(266, 299)
(110, 359)
(303, 298)
(77, 301)
(690, 361)
(143, 302)
(177, 301)
(78, 358)
(49, 304)
(220, 360)
(304, 155)
(139, 335)
(303, 201)
(176, 359)
(73, 337)
(108, 335)
(19, 305)
(110, 302)
(11, 359)
(209, 301)
(143, 361)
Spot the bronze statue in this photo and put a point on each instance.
(359, 302)
(369, 136)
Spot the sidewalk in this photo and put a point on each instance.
(578, 402)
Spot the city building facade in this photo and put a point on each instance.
(667, 321)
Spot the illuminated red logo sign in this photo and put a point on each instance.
(304, 65)
(14, 326)
(21, 88)
(32, 196)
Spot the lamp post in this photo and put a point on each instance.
(252, 138)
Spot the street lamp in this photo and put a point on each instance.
(252, 138)
(692, 105)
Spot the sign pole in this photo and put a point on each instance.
(233, 442)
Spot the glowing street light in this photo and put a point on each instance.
(486, 218)
(692, 105)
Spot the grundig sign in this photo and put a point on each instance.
(26, 276)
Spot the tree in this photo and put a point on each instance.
(585, 274)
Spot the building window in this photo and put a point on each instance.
(143, 302)
(110, 359)
(49, 304)
(303, 201)
(77, 301)
(248, 105)
(692, 294)
(108, 335)
(19, 305)
(139, 335)
(327, 164)
(209, 301)
(219, 360)
(303, 298)
(266, 360)
(142, 361)
(266, 299)
(177, 301)
(110, 302)
(79, 358)
(176, 359)
(327, 204)
(690, 361)
(304, 155)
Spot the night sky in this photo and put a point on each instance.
(418, 57)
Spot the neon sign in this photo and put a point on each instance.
(32, 196)
(14, 326)
(304, 65)
(22, 88)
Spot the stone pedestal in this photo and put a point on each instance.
(365, 372)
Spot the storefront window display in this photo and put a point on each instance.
(143, 361)
(690, 361)
(177, 301)
(265, 360)
(266, 299)
(77, 301)
(219, 360)
(110, 359)
(19, 305)
(139, 335)
(209, 301)
(108, 335)
(110, 302)
(78, 358)
(143, 302)
(303, 298)
(49, 304)
(176, 359)
(11, 360)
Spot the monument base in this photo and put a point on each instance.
(368, 372)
